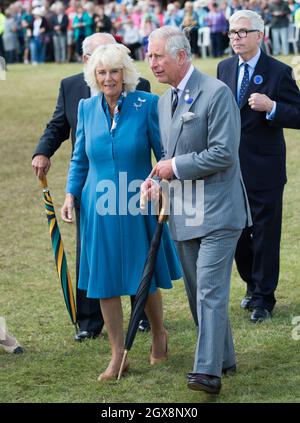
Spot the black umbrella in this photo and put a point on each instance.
(144, 286)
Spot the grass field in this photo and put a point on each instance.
(56, 369)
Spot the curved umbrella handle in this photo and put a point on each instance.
(43, 182)
(164, 200)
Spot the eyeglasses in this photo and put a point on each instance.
(242, 33)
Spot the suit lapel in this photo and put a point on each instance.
(232, 77)
(166, 120)
(79, 91)
(193, 86)
(85, 91)
(257, 80)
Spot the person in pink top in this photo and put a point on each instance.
(137, 16)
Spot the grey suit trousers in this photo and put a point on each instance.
(207, 265)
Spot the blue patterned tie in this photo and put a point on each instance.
(174, 100)
(244, 84)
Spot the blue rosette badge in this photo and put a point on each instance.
(258, 79)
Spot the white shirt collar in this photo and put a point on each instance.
(182, 84)
(253, 61)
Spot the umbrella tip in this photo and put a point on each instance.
(121, 371)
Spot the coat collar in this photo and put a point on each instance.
(132, 103)
(233, 76)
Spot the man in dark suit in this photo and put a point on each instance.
(64, 120)
(269, 100)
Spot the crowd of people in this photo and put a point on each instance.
(35, 31)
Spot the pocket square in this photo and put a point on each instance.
(187, 116)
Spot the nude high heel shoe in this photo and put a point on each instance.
(12, 349)
(112, 375)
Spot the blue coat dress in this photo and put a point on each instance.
(115, 243)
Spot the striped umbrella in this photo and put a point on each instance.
(59, 254)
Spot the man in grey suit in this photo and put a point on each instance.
(200, 132)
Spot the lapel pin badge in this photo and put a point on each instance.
(258, 79)
(187, 97)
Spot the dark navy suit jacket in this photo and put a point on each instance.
(64, 119)
(262, 146)
(63, 25)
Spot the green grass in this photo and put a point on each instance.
(56, 369)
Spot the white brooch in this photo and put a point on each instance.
(187, 116)
(139, 103)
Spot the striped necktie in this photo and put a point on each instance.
(174, 100)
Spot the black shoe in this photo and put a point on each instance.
(144, 326)
(85, 334)
(260, 314)
(203, 382)
(229, 371)
(246, 302)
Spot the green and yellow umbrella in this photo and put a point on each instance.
(59, 254)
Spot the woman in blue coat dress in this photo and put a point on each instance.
(116, 132)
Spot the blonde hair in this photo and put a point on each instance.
(111, 56)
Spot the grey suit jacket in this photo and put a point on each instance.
(205, 142)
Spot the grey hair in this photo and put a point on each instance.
(111, 56)
(93, 41)
(176, 40)
(254, 18)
